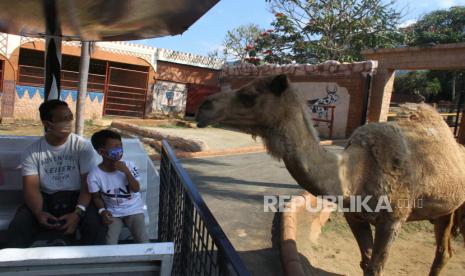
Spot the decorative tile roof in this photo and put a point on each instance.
(148, 53)
(189, 59)
(3, 44)
(125, 48)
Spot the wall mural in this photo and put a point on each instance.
(326, 101)
(64, 94)
(318, 106)
(169, 97)
(29, 98)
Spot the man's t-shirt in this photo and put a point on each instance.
(59, 168)
(115, 192)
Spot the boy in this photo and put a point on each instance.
(115, 189)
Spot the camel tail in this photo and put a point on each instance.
(459, 222)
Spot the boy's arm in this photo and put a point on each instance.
(98, 201)
(132, 181)
(106, 215)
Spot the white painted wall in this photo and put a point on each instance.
(318, 90)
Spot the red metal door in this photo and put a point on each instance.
(126, 92)
(196, 93)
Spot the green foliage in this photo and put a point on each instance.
(311, 31)
(419, 83)
(438, 27)
(215, 54)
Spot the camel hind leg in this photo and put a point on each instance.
(442, 232)
(364, 237)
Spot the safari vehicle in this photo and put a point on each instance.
(185, 237)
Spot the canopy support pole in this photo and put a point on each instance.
(52, 52)
(83, 76)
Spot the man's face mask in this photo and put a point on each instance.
(65, 127)
(115, 153)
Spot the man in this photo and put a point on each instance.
(54, 171)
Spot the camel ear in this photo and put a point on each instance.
(279, 84)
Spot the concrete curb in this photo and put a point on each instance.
(178, 142)
(289, 223)
(232, 151)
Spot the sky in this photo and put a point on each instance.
(208, 33)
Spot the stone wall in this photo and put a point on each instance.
(342, 85)
(29, 98)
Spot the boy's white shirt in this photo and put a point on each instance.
(115, 192)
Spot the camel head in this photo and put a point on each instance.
(256, 106)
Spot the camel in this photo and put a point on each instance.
(414, 159)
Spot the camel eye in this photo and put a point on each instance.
(246, 99)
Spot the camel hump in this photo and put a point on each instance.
(386, 144)
(420, 114)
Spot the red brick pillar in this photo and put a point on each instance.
(380, 96)
(461, 135)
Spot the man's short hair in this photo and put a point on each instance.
(100, 138)
(46, 109)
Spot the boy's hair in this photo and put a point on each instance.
(46, 109)
(100, 138)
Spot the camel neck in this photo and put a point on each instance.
(313, 167)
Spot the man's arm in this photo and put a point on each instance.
(33, 199)
(32, 196)
(86, 161)
(84, 195)
(72, 219)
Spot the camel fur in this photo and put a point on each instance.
(414, 161)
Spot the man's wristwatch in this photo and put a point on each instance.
(80, 211)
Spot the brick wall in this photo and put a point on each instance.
(350, 78)
(173, 72)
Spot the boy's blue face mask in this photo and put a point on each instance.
(115, 153)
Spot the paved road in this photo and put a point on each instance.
(233, 187)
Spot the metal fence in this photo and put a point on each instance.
(201, 247)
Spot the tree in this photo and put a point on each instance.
(311, 31)
(418, 83)
(239, 41)
(439, 27)
(215, 54)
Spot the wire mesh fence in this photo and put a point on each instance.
(201, 247)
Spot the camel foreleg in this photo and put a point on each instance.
(385, 234)
(364, 237)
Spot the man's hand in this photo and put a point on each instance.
(106, 217)
(47, 220)
(121, 166)
(71, 222)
